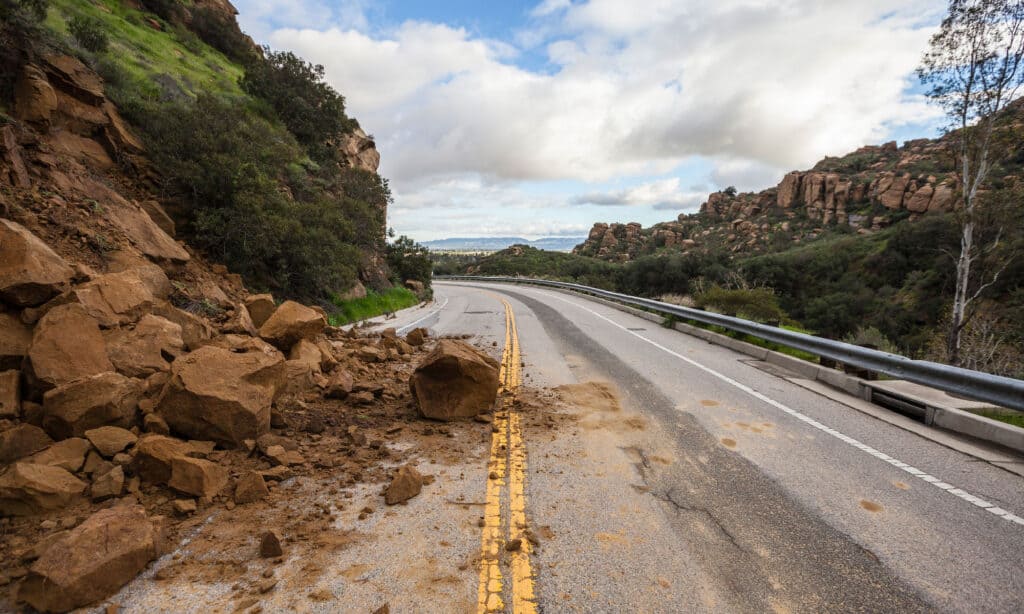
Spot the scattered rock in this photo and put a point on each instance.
(261, 307)
(221, 395)
(66, 345)
(270, 545)
(153, 456)
(107, 399)
(109, 440)
(184, 507)
(308, 353)
(198, 477)
(291, 322)
(251, 487)
(108, 485)
(115, 299)
(417, 337)
(69, 455)
(21, 441)
(27, 489)
(94, 560)
(153, 423)
(15, 339)
(277, 455)
(514, 545)
(30, 272)
(240, 323)
(362, 398)
(339, 384)
(147, 348)
(406, 484)
(455, 381)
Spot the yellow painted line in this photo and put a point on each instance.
(507, 464)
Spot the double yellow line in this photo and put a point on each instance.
(506, 467)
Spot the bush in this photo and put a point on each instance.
(871, 337)
(758, 304)
(89, 33)
(222, 33)
(409, 260)
(310, 108)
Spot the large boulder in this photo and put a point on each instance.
(107, 399)
(154, 454)
(455, 381)
(30, 272)
(92, 561)
(195, 331)
(116, 298)
(218, 395)
(67, 345)
(21, 441)
(27, 489)
(15, 339)
(146, 349)
(291, 322)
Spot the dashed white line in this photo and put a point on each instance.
(934, 481)
(432, 313)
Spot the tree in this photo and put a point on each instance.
(973, 67)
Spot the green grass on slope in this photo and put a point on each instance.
(373, 305)
(155, 61)
(1014, 419)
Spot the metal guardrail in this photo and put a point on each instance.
(1003, 391)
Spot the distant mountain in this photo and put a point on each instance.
(494, 244)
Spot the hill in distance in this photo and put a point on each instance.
(494, 244)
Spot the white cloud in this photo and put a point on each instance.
(664, 194)
(757, 87)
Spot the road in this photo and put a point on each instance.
(723, 484)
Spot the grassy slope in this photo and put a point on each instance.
(148, 56)
(372, 305)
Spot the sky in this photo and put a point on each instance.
(538, 118)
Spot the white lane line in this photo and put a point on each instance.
(934, 481)
(431, 314)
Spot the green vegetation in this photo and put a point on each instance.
(532, 262)
(372, 305)
(408, 260)
(245, 144)
(1016, 419)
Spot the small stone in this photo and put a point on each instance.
(108, 485)
(406, 484)
(514, 545)
(277, 455)
(183, 507)
(251, 487)
(153, 423)
(109, 440)
(270, 545)
(267, 585)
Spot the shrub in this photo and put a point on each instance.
(759, 304)
(89, 33)
(310, 108)
(871, 337)
(409, 260)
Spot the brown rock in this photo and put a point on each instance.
(416, 286)
(918, 203)
(261, 307)
(144, 233)
(34, 98)
(107, 399)
(942, 198)
(371, 354)
(15, 339)
(68, 455)
(10, 394)
(27, 489)
(308, 353)
(291, 322)
(159, 216)
(94, 560)
(109, 440)
(361, 398)
(789, 190)
(21, 441)
(198, 477)
(277, 455)
(339, 384)
(116, 298)
(240, 323)
(153, 423)
(153, 456)
(30, 272)
(145, 350)
(406, 484)
(251, 487)
(219, 395)
(417, 337)
(195, 332)
(67, 345)
(110, 484)
(184, 507)
(455, 381)
(270, 545)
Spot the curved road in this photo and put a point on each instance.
(724, 485)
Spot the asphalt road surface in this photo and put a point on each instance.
(723, 484)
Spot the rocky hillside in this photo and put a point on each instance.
(862, 192)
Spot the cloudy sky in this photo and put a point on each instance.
(539, 118)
